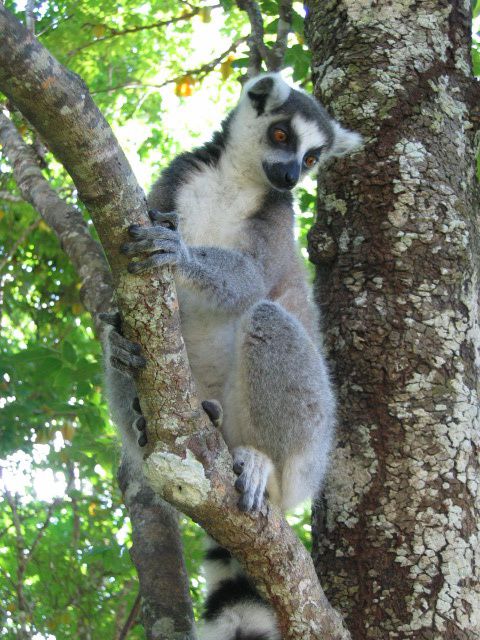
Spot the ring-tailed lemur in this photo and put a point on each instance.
(223, 218)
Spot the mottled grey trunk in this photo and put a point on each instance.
(397, 248)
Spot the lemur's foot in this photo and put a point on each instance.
(253, 469)
(161, 242)
(212, 408)
(140, 423)
(125, 355)
(214, 411)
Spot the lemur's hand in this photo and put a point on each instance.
(125, 355)
(162, 243)
(212, 408)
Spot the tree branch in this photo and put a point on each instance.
(256, 23)
(259, 51)
(285, 16)
(10, 197)
(189, 464)
(66, 221)
(149, 551)
(30, 16)
(130, 621)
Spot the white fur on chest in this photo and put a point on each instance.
(214, 204)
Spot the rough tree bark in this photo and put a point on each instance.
(189, 464)
(397, 249)
(156, 550)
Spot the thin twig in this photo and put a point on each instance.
(43, 527)
(256, 23)
(55, 24)
(259, 51)
(285, 17)
(10, 197)
(199, 73)
(132, 617)
(114, 33)
(30, 16)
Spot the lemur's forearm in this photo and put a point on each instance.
(229, 279)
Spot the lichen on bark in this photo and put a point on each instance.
(397, 542)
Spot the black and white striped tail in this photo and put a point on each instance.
(233, 609)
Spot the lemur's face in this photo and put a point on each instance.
(295, 147)
(286, 133)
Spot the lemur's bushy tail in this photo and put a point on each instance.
(233, 610)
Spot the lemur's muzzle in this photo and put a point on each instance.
(282, 175)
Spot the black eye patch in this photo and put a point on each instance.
(280, 135)
(316, 152)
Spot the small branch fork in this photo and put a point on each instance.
(261, 53)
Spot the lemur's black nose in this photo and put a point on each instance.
(291, 178)
(282, 175)
(291, 174)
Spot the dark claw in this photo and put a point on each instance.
(118, 340)
(169, 220)
(142, 441)
(213, 411)
(240, 484)
(114, 319)
(238, 468)
(133, 228)
(141, 423)
(136, 405)
(243, 504)
(133, 268)
(118, 364)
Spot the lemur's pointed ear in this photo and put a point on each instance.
(344, 140)
(267, 91)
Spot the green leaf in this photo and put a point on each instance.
(68, 352)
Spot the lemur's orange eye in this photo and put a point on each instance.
(310, 161)
(279, 135)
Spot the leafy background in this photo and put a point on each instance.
(163, 73)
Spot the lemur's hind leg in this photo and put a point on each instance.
(279, 401)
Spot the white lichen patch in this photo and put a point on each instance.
(180, 480)
(331, 78)
(332, 203)
(165, 628)
(344, 491)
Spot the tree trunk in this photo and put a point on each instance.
(397, 249)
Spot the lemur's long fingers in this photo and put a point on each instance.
(150, 245)
(155, 261)
(123, 343)
(167, 219)
(125, 355)
(139, 232)
(114, 319)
